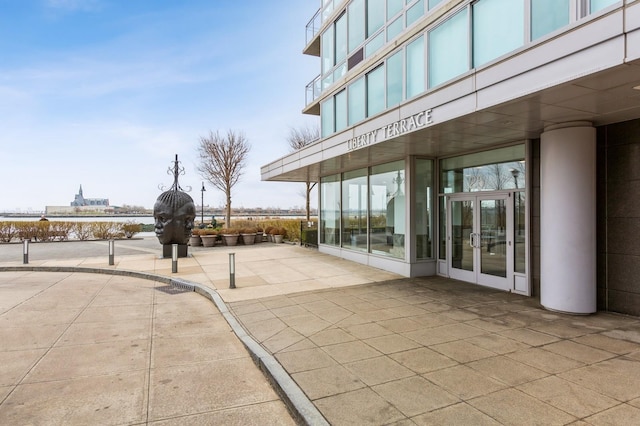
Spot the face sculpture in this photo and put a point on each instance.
(174, 214)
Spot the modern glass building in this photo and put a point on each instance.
(491, 141)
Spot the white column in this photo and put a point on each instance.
(568, 218)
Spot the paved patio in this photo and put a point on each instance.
(364, 346)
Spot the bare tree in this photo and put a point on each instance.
(298, 139)
(222, 162)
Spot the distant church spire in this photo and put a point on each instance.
(80, 191)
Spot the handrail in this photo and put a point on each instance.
(313, 26)
(313, 90)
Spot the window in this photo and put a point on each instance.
(449, 49)
(597, 5)
(394, 79)
(547, 16)
(357, 105)
(394, 7)
(388, 207)
(356, 24)
(375, 16)
(415, 68)
(354, 210)
(375, 91)
(415, 12)
(434, 3)
(498, 28)
(327, 50)
(341, 110)
(424, 206)
(341, 38)
(394, 28)
(330, 210)
(327, 117)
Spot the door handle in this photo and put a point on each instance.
(471, 239)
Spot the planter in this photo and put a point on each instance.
(195, 240)
(269, 238)
(248, 239)
(230, 239)
(208, 240)
(258, 238)
(277, 238)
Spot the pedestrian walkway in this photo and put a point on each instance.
(369, 347)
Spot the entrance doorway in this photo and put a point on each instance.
(480, 239)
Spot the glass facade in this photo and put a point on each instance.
(547, 16)
(498, 28)
(423, 196)
(354, 210)
(375, 91)
(388, 209)
(415, 68)
(394, 79)
(357, 30)
(449, 49)
(357, 106)
(330, 210)
(598, 5)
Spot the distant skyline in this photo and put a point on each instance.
(104, 94)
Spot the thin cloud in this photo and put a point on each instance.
(74, 5)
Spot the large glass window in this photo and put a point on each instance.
(327, 117)
(341, 110)
(449, 49)
(375, 91)
(434, 3)
(394, 7)
(357, 105)
(498, 28)
(415, 12)
(423, 196)
(330, 210)
(341, 38)
(356, 24)
(547, 16)
(388, 207)
(394, 79)
(415, 67)
(494, 170)
(327, 50)
(394, 28)
(354, 210)
(375, 16)
(597, 5)
(520, 235)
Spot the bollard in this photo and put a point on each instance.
(232, 270)
(25, 251)
(174, 258)
(112, 251)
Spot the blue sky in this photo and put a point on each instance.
(104, 93)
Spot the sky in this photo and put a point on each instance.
(105, 93)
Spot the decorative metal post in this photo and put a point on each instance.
(111, 252)
(202, 206)
(174, 258)
(232, 270)
(25, 251)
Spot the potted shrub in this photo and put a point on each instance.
(278, 234)
(267, 231)
(195, 239)
(208, 236)
(229, 236)
(248, 236)
(259, 234)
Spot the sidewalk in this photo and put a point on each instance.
(369, 347)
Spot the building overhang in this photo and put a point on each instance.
(591, 73)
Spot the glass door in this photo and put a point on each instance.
(480, 237)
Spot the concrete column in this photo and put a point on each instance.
(568, 218)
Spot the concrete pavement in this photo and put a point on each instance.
(364, 346)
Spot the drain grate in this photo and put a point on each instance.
(169, 289)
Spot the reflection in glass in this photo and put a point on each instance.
(388, 207)
(354, 210)
(424, 205)
(493, 238)
(330, 210)
(498, 28)
(520, 234)
(461, 230)
(442, 228)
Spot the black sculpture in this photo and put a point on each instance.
(174, 214)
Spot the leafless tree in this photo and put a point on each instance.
(299, 138)
(222, 162)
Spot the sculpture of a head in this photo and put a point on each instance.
(174, 214)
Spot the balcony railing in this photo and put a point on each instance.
(314, 26)
(313, 90)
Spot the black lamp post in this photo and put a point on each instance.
(202, 207)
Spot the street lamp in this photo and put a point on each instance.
(202, 207)
(515, 173)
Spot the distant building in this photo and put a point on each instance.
(81, 201)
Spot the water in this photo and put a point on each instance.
(146, 220)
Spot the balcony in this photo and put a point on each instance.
(312, 93)
(312, 40)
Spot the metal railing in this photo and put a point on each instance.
(313, 27)
(313, 90)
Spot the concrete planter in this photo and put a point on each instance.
(277, 238)
(248, 239)
(230, 239)
(195, 241)
(208, 240)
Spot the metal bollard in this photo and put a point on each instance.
(25, 251)
(232, 270)
(174, 258)
(112, 251)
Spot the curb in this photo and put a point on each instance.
(299, 405)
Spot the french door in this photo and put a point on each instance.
(480, 239)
